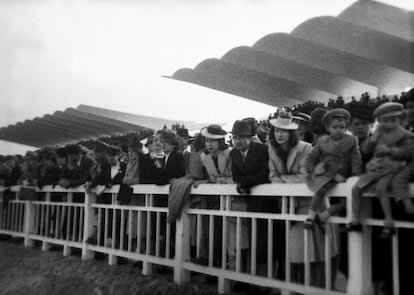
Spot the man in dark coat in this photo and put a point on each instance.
(81, 164)
(249, 159)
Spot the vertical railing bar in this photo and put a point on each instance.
(211, 240)
(57, 216)
(114, 229)
(287, 240)
(99, 227)
(47, 230)
(157, 235)
(122, 233)
(81, 223)
(139, 232)
(254, 246)
(130, 220)
(238, 244)
(198, 234)
(269, 248)
(168, 242)
(13, 221)
(69, 221)
(75, 223)
(148, 203)
(328, 269)
(42, 219)
(306, 257)
(106, 228)
(17, 217)
(395, 265)
(224, 237)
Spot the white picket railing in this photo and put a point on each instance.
(141, 232)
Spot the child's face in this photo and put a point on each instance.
(337, 128)
(359, 128)
(388, 123)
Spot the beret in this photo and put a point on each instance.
(388, 109)
(339, 112)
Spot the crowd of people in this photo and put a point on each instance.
(309, 143)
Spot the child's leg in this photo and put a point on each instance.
(382, 193)
(316, 203)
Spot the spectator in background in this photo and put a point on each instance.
(262, 133)
(11, 171)
(149, 144)
(409, 108)
(48, 170)
(29, 168)
(302, 120)
(316, 127)
(80, 164)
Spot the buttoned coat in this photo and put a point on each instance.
(224, 166)
(295, 168)
(252, 171)
(401, 143)
(342, 158)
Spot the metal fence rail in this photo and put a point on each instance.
(237, 243)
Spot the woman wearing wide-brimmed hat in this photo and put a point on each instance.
(286, 165)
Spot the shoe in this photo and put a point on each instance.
(308, 224)
(353, 226)
(387, 232)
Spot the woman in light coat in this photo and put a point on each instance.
(286, 165)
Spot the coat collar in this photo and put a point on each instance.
(395, 136)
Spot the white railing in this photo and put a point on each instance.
(141, 232)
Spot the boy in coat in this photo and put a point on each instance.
(334, 158)
(393, 150)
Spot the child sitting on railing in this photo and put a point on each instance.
(334, 157)
(394, 148)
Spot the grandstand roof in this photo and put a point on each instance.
(369, 47)
(83, 123)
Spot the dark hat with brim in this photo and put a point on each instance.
(388, 109)
(213, 132)
(135, 144)
(361, 111)
(242, 129)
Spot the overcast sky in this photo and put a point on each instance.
(113, 53)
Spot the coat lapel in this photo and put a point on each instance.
(291, 158)
(394, 137)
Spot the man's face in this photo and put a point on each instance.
(241, 142)
(359, 128)
(112, 159)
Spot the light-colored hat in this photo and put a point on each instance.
(213, 132)
(388, 109)
(284, 121)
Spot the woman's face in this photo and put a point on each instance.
(212, 145)
(158, 144)
(281, 136)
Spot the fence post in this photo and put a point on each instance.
(182, 247)
(88, 225)
(359, 245)
(29, 223)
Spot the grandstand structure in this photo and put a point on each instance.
(369, 47)
(83, 123)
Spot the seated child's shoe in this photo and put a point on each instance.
(353, 226)
(388, 231)
(308, 224)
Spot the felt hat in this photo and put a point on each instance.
(361, 111)
(388, 109)
(284, 121)
(315, 124)
(262, 131)
(213, 132)
(241, 128)
(301, 117)
(252, 124)
(339, 112)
